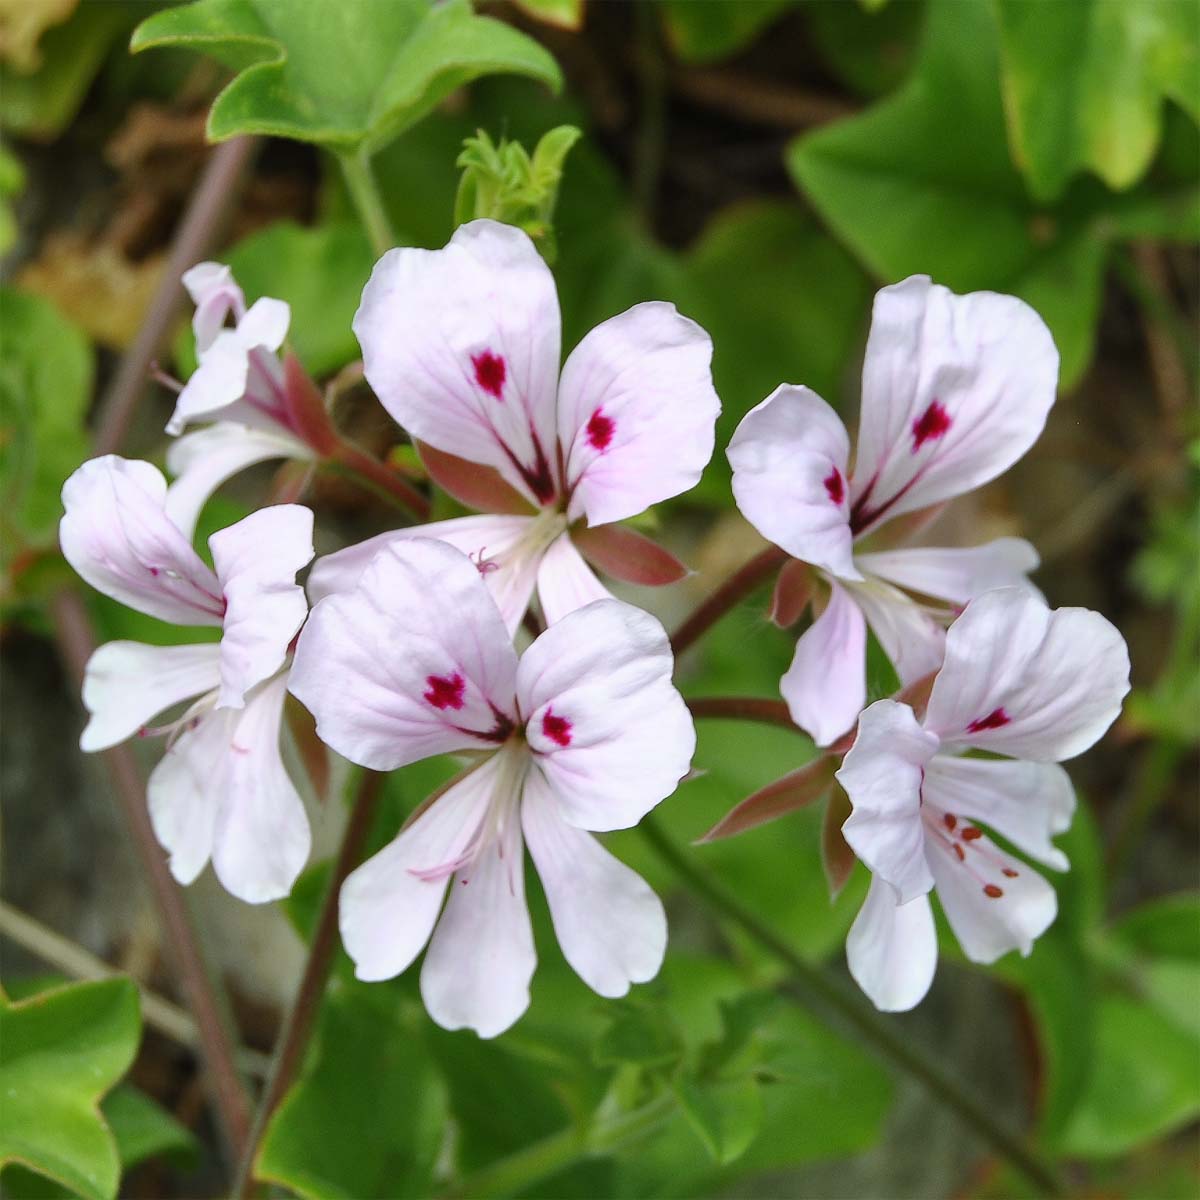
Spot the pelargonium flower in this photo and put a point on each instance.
(954, 390)
(221, 790)
(462, 347)
(1019, 680)
(584, 733)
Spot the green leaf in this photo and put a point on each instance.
(642, 1033)
(12, 180)
(868, 47)
(60, 1052)
(726, 1116)
(566, 14)
(1085, 82)
(702, 32)
(342, 75)
(145, 1130)
(1166, 928)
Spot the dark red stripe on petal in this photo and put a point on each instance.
(490, 372)
(600, 430)
(556, 728)
(445, 691)
(996, 719)
(931, 425)
(834, 486)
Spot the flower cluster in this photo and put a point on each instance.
(410, 647)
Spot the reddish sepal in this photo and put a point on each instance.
(796, 789)
(793, 591)
(305, 407)
(628, 555)
(472, 484)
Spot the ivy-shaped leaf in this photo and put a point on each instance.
(60, 1052)
(704, 32)
(347, 76)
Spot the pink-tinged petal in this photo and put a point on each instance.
(265, 324)
(790, 479)
(955, 389)
(481, 958)
(505, 551)
(910, 637)
(1027, 803)
(462, 346)
(882, 774)
(610, 925)
(607, 727)
(636, 412)
(826, 685)
(126, 684)
(216, 295)
(388, 906)
(215, 386)
(994, 902)
(472, 483)
(256, 561)
(118, 537)
(414, 661)
(957, 575)
(1027, 681)
(202, 461)
(565, 582)
(261, 837)
(892, 949)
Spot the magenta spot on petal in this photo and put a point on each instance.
(557, 729)
(490, 372)
(994, 720)
(834, 486)
(600, 430)
(154, 572)
(445, 692)
(930, 425)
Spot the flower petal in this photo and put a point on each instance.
(217, 383)
(910, 637)
(955, 389)
(265, 324)
(607, 727)
(892, 948)
(956, 574)
(1024, 680)
(126, 683)
(881, 774)
(789, 458)
(565, 582)
(462, 345)
(636, 412)
(414, 661)
(610, 925)
(826, 685)
(256, 561)
(261, 838)
(118, 537)
(215, 293)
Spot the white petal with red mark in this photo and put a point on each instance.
(882, 774)
(388, 906)
(1027, 681)
(911, 638)
(955, 574)
(955, 389)
(126, 684)
(256, 561)
(611, 734)
(610, 924)
(790, 481)
(826, 685)
(462, 347)
(565, 582)
(1027, 803)
(415, 660)
(118, 537)
(892, 948)
(636, 412)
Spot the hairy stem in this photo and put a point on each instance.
(364, 192)
(837, 1005)
(735, 589)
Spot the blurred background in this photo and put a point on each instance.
(766, 165)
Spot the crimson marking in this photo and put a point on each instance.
(834, 486)
(996, 719)
(490, 372)
(931, 425)
(556, 728)
(600, 430)
(445, 692)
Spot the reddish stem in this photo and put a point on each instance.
(736, 588)
(742, 708)
(383, 477)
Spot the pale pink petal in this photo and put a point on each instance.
(957, 575)
(892, 948)
(118, 537)
(1027, 803)
(126, 684)
(636, 412)
(881, 774)
(261, 837)
(1027, 681)
(910, 637)
(217, 383)
(265, 324)
(955, 389)
(790, 480)
(610, 925)
(414, 661)
(565, 582)
(994, 902)
(607, 727)
(462, 347)
(256, 561)
(216, 295)
(481, 958)
(202, 461)
(826, 685)
(387, 906)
